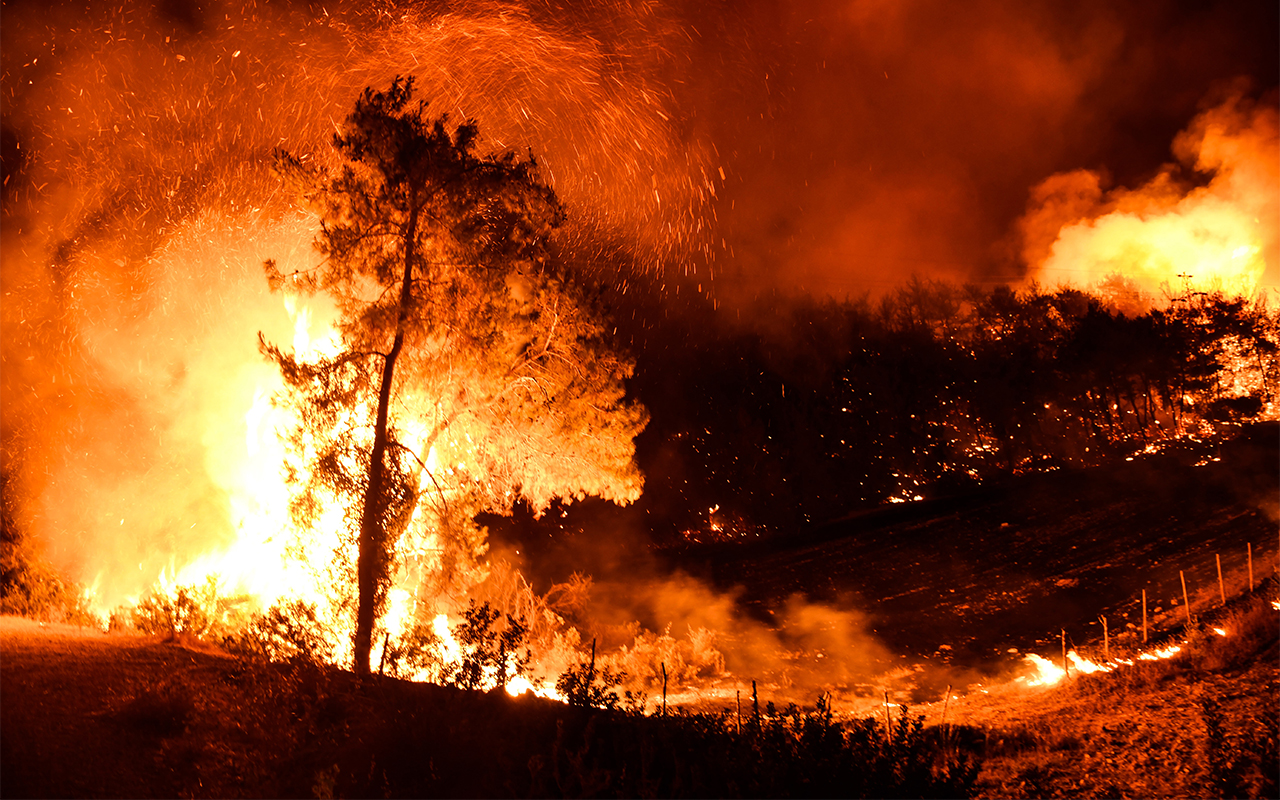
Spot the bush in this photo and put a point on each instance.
(199, 611)
(789, 753)
(30, 587)
(416, 654)
(160, 613)
(291, 633)
(489, 653)
(585, 686)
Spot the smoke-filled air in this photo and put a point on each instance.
(1206, 222)
(733, 352)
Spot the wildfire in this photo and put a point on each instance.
(1049, 673)
(1159, 238)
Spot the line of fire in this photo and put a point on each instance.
(673, 398)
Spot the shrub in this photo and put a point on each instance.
(200, 611)
(415, 654)
(29, 586)
(160, 613)
(291, 632)
(585, 686)
(488, 652)
(788, 753)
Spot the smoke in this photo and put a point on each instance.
(139, 205)
(819, 147)
(1169, 235)
(644, 614)
(885, 139)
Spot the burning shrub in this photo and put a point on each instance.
(584, 686)
(570, 599)
(29, 587)
(488, 653)
(290, 632)
(159, 613)
(203, 612)
(684, 661)
(415, 654)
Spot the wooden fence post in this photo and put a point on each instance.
(1251, 566)
(1144, 616)
(1066, 673)
(1186, 604)
(664, 688)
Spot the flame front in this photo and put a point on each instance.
(1049, 673)
(265, 560)
(1161, 239)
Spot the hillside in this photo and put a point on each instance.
(966, 585)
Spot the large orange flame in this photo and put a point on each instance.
(1164, 239)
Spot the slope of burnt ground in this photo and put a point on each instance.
(972, 581)
(92, 715)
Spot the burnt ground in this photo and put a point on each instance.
(966, 585)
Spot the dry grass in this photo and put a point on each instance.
(1204, 723)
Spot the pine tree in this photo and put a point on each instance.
(473, 370)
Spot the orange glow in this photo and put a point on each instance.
(1049, 673)
(1160, 241)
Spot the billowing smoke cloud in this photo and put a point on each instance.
(1166, 236)
(139, 204)
(887, 138)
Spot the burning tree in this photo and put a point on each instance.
(472, 370)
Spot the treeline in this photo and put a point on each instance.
(818, 407)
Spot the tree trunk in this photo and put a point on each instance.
(372, 556)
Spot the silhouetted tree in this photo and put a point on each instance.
(472, 372)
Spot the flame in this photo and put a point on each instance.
(1162, 653)
(1160, 238)
(264, 561)
(1049, 673)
